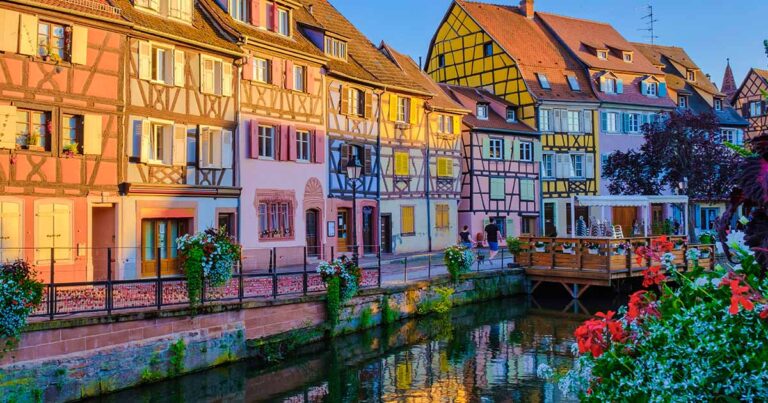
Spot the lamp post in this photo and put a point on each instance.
(354, 173)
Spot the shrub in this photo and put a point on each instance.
(333, 301)
(514, 245)
(346, 271)
(458, 260)
(209, 255)
(20, 293)
(440, 302)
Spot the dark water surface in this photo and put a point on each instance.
(479, 353)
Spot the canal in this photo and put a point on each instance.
(478, 353)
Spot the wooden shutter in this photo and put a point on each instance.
(603, 86)
(589, 165)
(92, 134)
(179, 149)
(178, 68)
(486, 151)
(28, 35)
(292, 146)
(563, 166)
(516, 150)
(254, 11)
(10, 230)
(283, 142)
(79, 45)
(9, 31)
(8, 126)
(564, 121)
(625, 122)
(402, 163)
(537, 151)
(226, 79)
(203, 147)
(368, 104)
(662, 89)
(509, 225)
(253, 136)
(587, 121)
(275, 75)
(619, 86)
(346, 152)
(417, 106)
(289, 75)
(367, 160)
(217, 145)
(167, 139)
(456, 125)
(497, 188)
(344, 96)
(407, 220)
(145, 61)
(144, 128)
(558, 122)
(643, 87)
(248, 68)
(62, 225)
(393, 107)
(319, 151)
(311, 74)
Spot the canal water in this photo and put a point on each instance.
(487, 352)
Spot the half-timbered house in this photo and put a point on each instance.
(282, 139)
(501, 155)
(178, 168)
(750, 102)
(509, 52)
(61, 104)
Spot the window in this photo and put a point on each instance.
(611, 124)
(682, 101)
(441, 61)
(72, 133)
(162, 65)
(182, 9)
(708, 217)
(488, 49)
(442, 216)
(52, 41)
(266, 142)
(445, 124)
(238, 9)
(691, 75)
(335, 48)
(158, 143)
(356, 102)
(303, 145)
(275, 219)
(526, 151)
(407, 224)
(482, 111)
(53, 229)
(633, 122)
(733, 136)
(403, 109)
(610, 85)
(548, 161)
(32, 129)
(652, 89)
(574, 121)
(527, 190)
(283, 22)
(628, 57)
(497, 188)
(159, 236)
(150, 4)
(577, 165)
(755, 108)
(543, 81)
(227, 221)
(261, 70)
(444, 167)
(215, 76)
(511, 114)
(602, 54)
(545, 116)
(496, 149)
(300, 78)
(718, 104)
(573, 82)
(528, 225)
(402, 163)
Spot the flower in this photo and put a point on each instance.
(764, 312)
(653, 276)
(738, 296)
(641, 304)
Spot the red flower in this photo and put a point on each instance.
(764, 312)
(653, 276)
(590, 336)
(738, 296)
(641, 304)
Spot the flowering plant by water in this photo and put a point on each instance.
(209, 255)
(689, 336)
(20, 293)
(348, 273)
(458, 260)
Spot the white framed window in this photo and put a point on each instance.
(543, 81)
(718, 104)
(511, 114)
(628, 57)
(300, 78)
(261, 70)
(526, 151)
(682, 101)
(303, 145)
(755, 108)
(611, 122)
(283, 22)
(356, 102)
(335, 48)
(403, 109)
(482, 111)
(574, 121)
(633, 122)
(177, 9)
(577, 166)
(573, 82)
(610, 85)
(652, 89)
(162, 64)
(215, 76)
(602, 54)
(733, 136)
(159, 143)
(238, 9)
(496, 149)
(266, 142)
(545, 116)
(548, 162)
(445, 124)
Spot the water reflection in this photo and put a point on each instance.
(487, 352)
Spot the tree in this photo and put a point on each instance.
(685, 148)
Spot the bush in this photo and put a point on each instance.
(458, 260)
(209, 255)
(346, 271)
(439, 302)
(20, 293)
(514, 245)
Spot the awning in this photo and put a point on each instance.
(629, 201)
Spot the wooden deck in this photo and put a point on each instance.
(594, 261)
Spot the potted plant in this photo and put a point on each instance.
(705, 253)
(33, 142)
(515, 246)
(71, 149)
(679, 244)
(707, 238)
(458, 260)
(348, 273)
(622, 248)
(593, 248)
(568, 248)
(207, 256)
(540, 247)
(21, 293)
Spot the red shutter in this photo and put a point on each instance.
(248, 69)
(319, 146)
(255, 12)
(275, 22)
(276, 76)
(311, 77)
(292, 149)
(254, 137)
(283, 142)
(289, 74)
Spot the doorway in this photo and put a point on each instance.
(343, 230)
(312, 218)
(103, 238)
(158, 242)
(626, 217)
(550, 229)
(368, 225)
(386, 233)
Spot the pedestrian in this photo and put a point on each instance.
(492, 235)
(465, 237)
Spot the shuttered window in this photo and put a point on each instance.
(444, 167)
(402, 163)
(32, 129)
(403, 109)
(497, 188)
(215, 148)
(261, 70)
(10, 231)
(527, 190)
(52, 41)
(303, 146)
(215, 76)
(72, 133)
(407, 224)
(442, 216)
(53, 229)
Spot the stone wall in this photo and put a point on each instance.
(71, 359)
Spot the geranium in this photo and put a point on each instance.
(348, 273)
(207, 256)
(641, 304)
(653, 276)
(738, 295)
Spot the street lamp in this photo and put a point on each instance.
(354, 173)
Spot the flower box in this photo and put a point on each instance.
(541, 249)
(593, 251)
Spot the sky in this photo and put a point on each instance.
(709, 30)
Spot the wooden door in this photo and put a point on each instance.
(550, 227)
(342, 225)
(625, 216)
(158, 237)
(311, 218)
(368, 225)
(386, 233)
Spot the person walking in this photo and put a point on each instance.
(492, 235)
(465, 237)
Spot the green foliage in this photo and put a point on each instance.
(514, 245)
(333, 301)
(366, 319)
(706, 238)
(207, 256)
(20, 294)
(740, 150)
(151, 373)
(458, 260)
(440, 302)
(346, 271)
(388, 315)
(177, 351)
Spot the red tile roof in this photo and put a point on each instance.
(101, 8)
(534, 49)
(469, 97)
(677, 62)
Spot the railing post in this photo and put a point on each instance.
(305, 271)
(332, 253)
(502, 259)
(429, 267)
(52, 290)
(240, 281)
(405, 270)
(108, 299)
(158, 282)
(274, 273)
(378, 257)
(580, 254)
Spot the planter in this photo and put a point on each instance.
(594, 251)
(35, 148)
(513, 265)
(541, 249)
(568, 251)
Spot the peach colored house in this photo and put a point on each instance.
(60, 113)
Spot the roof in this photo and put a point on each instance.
(534, 49)
(622, 200)
(365, 61)
(200, 30)
(469, 97)
(441, 100)
(101, 8)
(677, 62)
(574, 33)
(761, 73)
(729, 83)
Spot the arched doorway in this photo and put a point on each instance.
(312, 219)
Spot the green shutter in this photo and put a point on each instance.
(515, 150)
(604, 121)
(486, 147)
(537, 151)
(509, 226)
(497, 188)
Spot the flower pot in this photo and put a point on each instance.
(540, 249)
(35, 148)
(704, 255)
(594, 251)
(568, 251)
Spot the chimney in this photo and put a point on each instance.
(526, 8)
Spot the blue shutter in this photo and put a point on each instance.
(644, 88)
(697, 215)
(625, 122)
(662, 89)
(604, 121)
(619, 86)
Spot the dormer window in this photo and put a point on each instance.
(178, 9)
(602, 54)
(652, 90)
(691, 75)
(238, 9)
(682, 101)
(628, 57)
(335, 48)
(511, 114)
(609, 85)
(573, 83)
(283, 22)
(543, 81)
(718, 104)
(482, 111)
